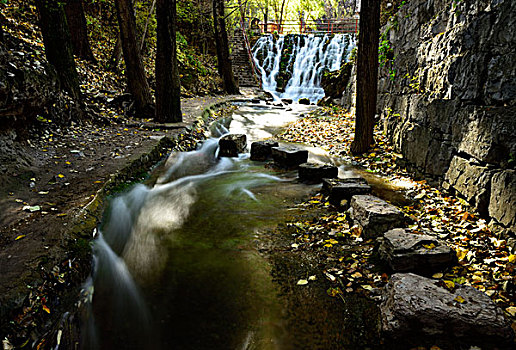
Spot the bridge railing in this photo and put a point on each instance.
(332, 26)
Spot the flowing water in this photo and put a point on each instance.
(311, 55)
(174, 263)
(175, 260)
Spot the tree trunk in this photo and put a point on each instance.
(168, 88)
(144, 34)
(78, 32)
(115, 55)
(134, 70)
(367, 75)
(2, 19)
(221, 39)
(58, 45)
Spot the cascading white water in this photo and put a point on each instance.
(312, 55)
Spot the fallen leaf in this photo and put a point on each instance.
(19, 237)
(302, 282)
(429, 246)
(438, 275)
(60, 176)
(459, 299)
(46, 309)
(511, 310)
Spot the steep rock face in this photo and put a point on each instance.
(447, 95)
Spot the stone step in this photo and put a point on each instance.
(232, 144)
(374, 215)
(315, 172)
(289, 157)
(262, 150)
(340, 191)
(418, 311)
(405, 251)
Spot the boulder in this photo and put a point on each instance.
(417, 311)
(232, 144)
(315, 172)
(340, 190)
(261, 150)
(286, 101)
(405, 251)
(289, 157)
(304, 101)
(374, 215)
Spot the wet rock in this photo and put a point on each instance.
(374, 215)
(262, 150)
(315, 172)
(256, 100)
(286, 101)
(405, 251)
(304, 101)
(502, 204)
(289, 157)
(415, 309)
(340, 191)
(231, 145)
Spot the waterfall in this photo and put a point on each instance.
(302, 59)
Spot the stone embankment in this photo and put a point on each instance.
(447, 95)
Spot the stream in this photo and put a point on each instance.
(176, 264)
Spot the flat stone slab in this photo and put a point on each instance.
(262, 150)
(340, 190)
(289, 157)
(374, 215)
(416, 310)
(232, 144)
(406, 251)
(315, 172)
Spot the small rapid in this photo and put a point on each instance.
(303, 59)
(174, 263)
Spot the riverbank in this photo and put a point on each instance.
(486, 256)
(51, 207)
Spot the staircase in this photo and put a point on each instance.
(242, 67)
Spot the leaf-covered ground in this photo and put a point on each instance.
(484, 260)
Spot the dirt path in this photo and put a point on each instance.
(43, 195)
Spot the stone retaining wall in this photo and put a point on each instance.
(447, 96)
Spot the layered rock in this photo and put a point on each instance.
(405, 251)
(374, 215)
(416, 308)
(315, 172)
(232, 144)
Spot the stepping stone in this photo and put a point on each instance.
(415, 309)
(304, 101)
(374, 215)
(406, 251)
(232, 144)
(287, 101)
(289, 157)
(261, 150)
(340, 190)
(315, 172)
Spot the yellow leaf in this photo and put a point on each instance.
(511, 310)
(461, 254)
(302, 282)
(67, 162)
(459, 299)
(341, 218)
(19, 237)
(449, 284)
(512, 258)
(429, 246)
(46, 309)
(438, 275)
(60, 176)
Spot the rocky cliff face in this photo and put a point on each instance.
(447, 95)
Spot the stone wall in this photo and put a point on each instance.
(447, 96)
